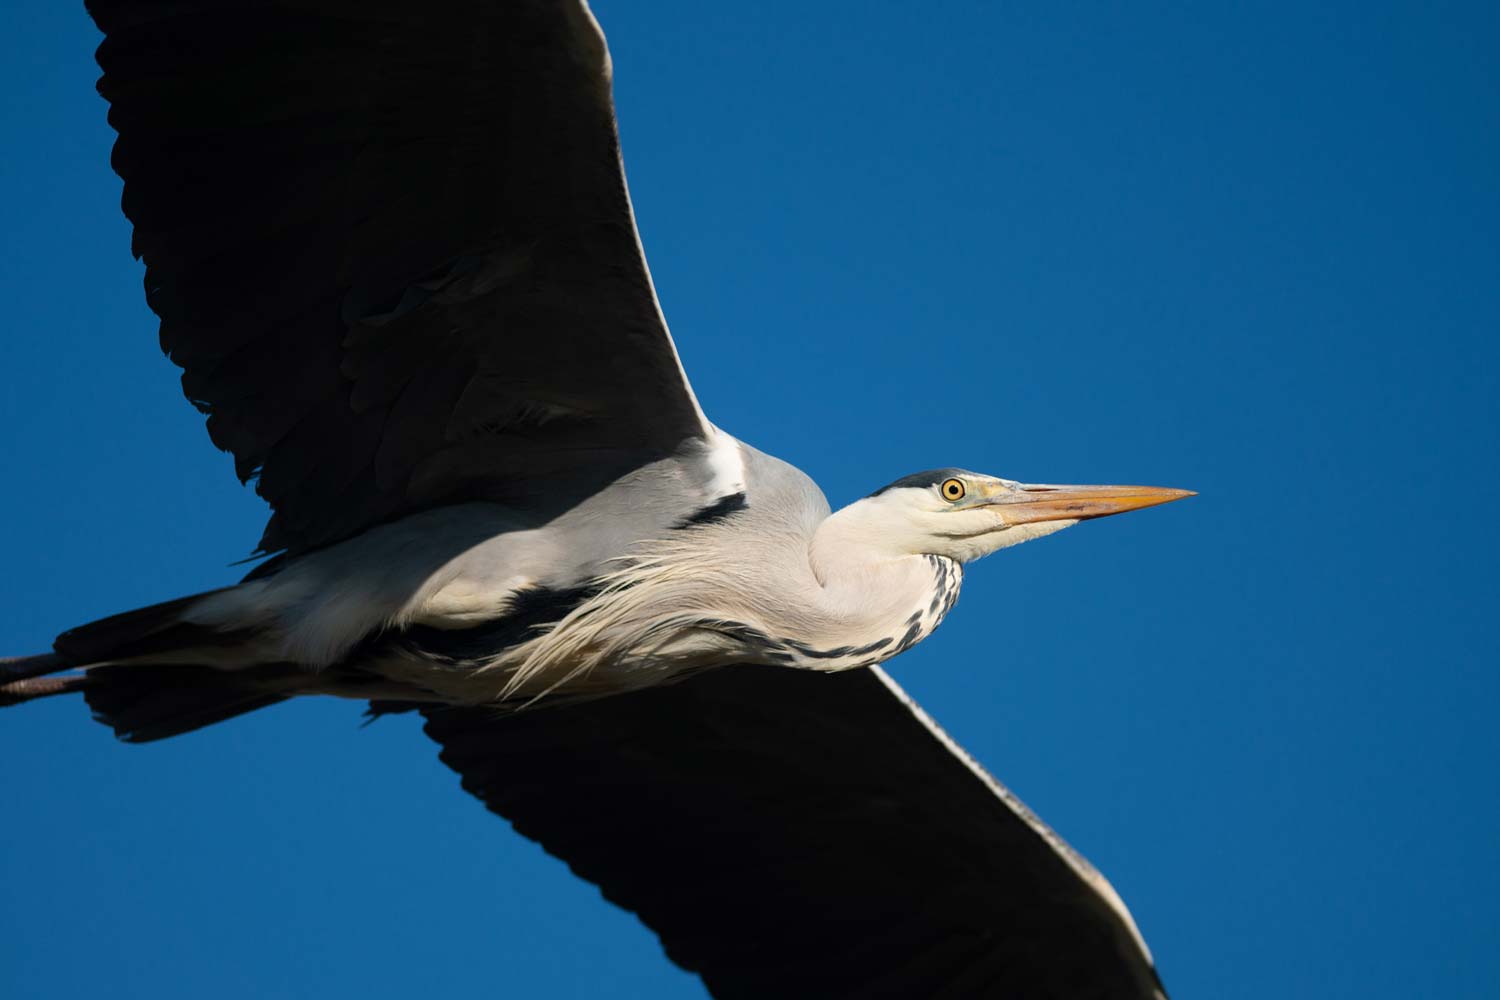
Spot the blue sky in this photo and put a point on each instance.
(1248, 251)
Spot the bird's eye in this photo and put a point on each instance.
(952, 490)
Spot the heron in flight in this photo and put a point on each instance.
(392, 249)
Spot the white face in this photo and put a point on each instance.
(955, 516)
(965, 515)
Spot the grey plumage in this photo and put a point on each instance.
(392, 250)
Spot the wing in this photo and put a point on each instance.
(392, 249)
(790, 833)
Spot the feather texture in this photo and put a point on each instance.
(392, 249)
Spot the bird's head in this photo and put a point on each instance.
(964, 515)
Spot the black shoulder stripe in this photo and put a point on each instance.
(717, 511)
(530, 609)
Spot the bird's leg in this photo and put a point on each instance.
(20, 668)
(15, 692)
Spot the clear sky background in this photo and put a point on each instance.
(1250, 251)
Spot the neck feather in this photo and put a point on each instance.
(868, 587)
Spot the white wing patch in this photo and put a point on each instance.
(726, 466)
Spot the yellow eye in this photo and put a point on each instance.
(952, 490)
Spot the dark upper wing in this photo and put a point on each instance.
(392, 249)
(795, 834)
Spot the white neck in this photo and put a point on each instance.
(868, 588)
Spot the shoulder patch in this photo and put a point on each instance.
(717, 511)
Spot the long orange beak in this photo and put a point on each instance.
(1039, 502)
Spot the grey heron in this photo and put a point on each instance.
(395, 257)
